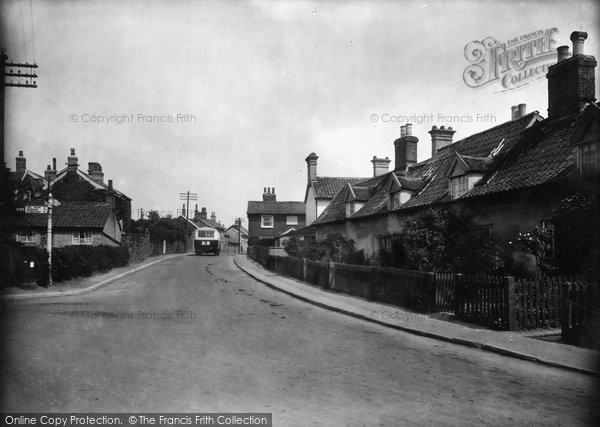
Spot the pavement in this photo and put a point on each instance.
(81, 285)
(513, 344)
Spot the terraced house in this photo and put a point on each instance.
(509, 177)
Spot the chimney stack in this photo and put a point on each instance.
(196, 211)
(110, 194)
(269, 195)
(183, 211)
(514, 112)
(440, 138)
(21, 163)
(95, 172)
(213, 217)
(571, 81)
(405, 149)
(311, 165)
(380, 166)
(72, 161)
(203, 213)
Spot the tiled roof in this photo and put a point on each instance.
(478, 164)
(357, 193)
(429, 178)
(274, 208)
(543, 156)
(326, 187)
(75, 215)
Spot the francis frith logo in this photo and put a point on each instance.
(510, 64)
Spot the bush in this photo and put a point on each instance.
(79, 261)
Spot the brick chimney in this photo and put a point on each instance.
(110, 194)
(203, 213)
(72, 161)
(571, 82)
(269, 195)
(20, 163)
(213, 217)
(380, 166)
(196, 212)
(440, 138)
(311, 166)
(405, 148)
(50, 172)
(95, 172)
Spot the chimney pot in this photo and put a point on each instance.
(402, 131)
(522, 110)
(514, 112)
(408, 129)
(53, 163)
(563, 53)
(578, 38)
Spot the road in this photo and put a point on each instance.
(195, 334)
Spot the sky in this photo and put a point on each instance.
(225, 98)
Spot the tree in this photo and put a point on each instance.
(536, 242)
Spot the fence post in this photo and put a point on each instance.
(565, 312)
(458, 295)
(331, 275)
(304, 269)
(430, 291)
(509, 299)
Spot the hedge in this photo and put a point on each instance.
(79, 261)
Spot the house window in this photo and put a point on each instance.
(266, 221)
(26, 237)
(459, 186)
(82, 237)
(549, 227)
(589, 161)
(349, 209)
(395, 200)
(291, 220)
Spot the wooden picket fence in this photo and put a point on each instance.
(503, 303)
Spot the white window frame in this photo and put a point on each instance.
(264, 223)
(27, 237)
(291, 220)
(459, 185)
(87, 238)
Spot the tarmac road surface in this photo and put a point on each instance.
(195, 334)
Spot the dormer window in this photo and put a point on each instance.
(395, 200)
(352, 208)
(589, 161)
(459, 185)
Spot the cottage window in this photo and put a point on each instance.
(350, 209)
(458, 186)
(26, 237)
(82, 237)
(266, 221)
(589, 161)
(395, 200)
(291, 220)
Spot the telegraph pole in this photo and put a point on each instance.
(13, 75)
(187, 196)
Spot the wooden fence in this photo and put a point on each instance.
(504, 303)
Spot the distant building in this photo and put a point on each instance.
(267, 219)
(73, 224)
(237, 239)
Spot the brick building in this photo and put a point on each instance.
(268, 219)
